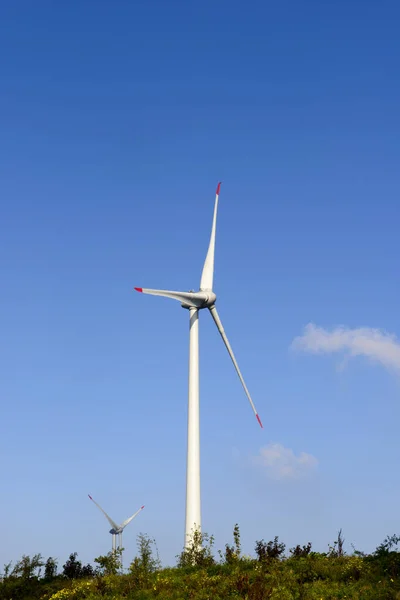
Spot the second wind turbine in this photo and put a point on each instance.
(195, 301)
(116, 530)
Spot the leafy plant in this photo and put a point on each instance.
(146, 562)
(337, 549)
(198, 552)
(27, 566)
(73, 568)
(269, 550)
(110, 563)
(300, 551)
(50, 569)
(233, 553)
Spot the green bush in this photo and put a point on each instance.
(270, 575)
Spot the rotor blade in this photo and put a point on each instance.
(206, 282)
(218, 323)
(197, 299)
(125, 523)
(109, 519)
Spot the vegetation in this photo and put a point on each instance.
(271, 574)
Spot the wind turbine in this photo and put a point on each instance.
(195, 301)
(116, 530)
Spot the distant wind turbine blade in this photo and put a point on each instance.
(125, 523)
(207, 276)
(197, 299)
(218, 323)
(109, 519)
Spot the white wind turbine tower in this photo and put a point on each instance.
(116, 530)
(195, 301)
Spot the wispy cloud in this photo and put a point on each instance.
(281, 463)
(377, 345)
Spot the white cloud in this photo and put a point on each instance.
(279, 462)
(375, 344)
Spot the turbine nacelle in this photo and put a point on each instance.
(115, 531)
(200, 300)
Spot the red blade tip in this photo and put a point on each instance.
(218, 188)
(259, 420)
(90, 496)
(141, 508)
(139, 289)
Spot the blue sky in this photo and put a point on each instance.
(117, 119)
